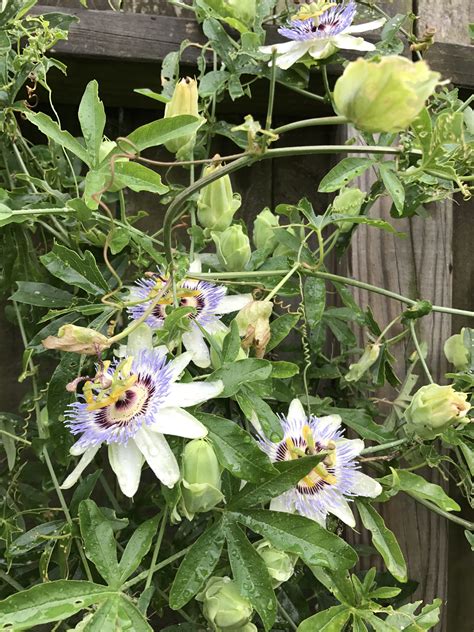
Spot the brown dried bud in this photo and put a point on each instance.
(78, 340)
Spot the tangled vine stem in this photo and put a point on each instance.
(176, 208)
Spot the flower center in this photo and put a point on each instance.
(186, 297)
(131, 403)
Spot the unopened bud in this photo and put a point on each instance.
(224, 607)
(348, 202)
(243, 10)
(456, 351)
(201, 484)
(384, 95)
(368, 358)
(233, 248)
(280, 565)
(184, 101)
(434, 408)
(78, 340)
(217, 203)
(264, 226)
(254, 325)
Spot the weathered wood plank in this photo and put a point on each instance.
(144, 38)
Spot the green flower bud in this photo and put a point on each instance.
(233, 248)
(264, 230)
(456, 351)
(78, 340)
(384, 95)
(435, 408)
(348, 202)
(184, 101)
(368, 358)
(280, 565)
(201, 484)
(243, 10)
(224, 607)
(217, 203)
(253, 321)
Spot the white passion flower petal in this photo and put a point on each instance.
(178, 422)
(349, 42)
(126, 461)
(177, 366)
(365, 485)
(296, 412)
(367, 26)
(86, 458)
(340, 508)
(193, 393)
(233, 303)
(194, 342)
(158, 455)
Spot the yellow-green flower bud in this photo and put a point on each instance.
(243, 10)
(224, 607)
(384, 95)
(456, 351)
(368, 358)
(184, 101)
(201, 484)
(434, 408)
(217, 203)
(348, 202)
(78, 340)
(264, 230)
(280, 565)
(254, 324)
(233, 248)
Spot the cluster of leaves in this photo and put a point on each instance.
(67, 256)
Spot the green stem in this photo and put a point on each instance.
(327, 88)
(282, 282)
(446, 514)
(157, 567)
(156, 550)
(305, 93)
(420, 352)
(286, 616)
(383, 446)
(271, 94)
(14, 437)
(312, 122)
(9, 580)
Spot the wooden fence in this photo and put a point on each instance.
(123, 51)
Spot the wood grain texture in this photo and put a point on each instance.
(450, 18)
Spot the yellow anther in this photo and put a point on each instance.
(308, 436)
(313, 10)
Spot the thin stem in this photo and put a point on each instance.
(466, 104)
(446, 514)
(14, 437)
(327, 88)
(23, 167)
(157, 567)
(312, 122)
(271, 94)
(282, 282)
(156, 550)
(9, 580)
(305, 93)
(384, 446)
(286, 616)
(420, 352)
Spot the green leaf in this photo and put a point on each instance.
(130, 612)
(332, 620)
(164, 130)
(137, 178)
(52, 130)
(282, 370)
(345, 171)
(99, 541)
(197, 566)
(231, 344)
(394, 186)
(137, 547)
(73, 269)
(35, 537)
(237, 373)
(83, 490)
(418, 487)
(289, 473)
(360, 421)
(280, 328)
(338, 583)
(52, 601)
(251, 574)
(384, 540)
(296, 534)
(251, 404)
(41, 295)
(314, 300)
(92, 119)
(105, 617)
(236, 450)
(7, 424)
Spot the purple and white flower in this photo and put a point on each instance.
(332, 483)
(322, 36)
(209, 301)
(130, 406)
